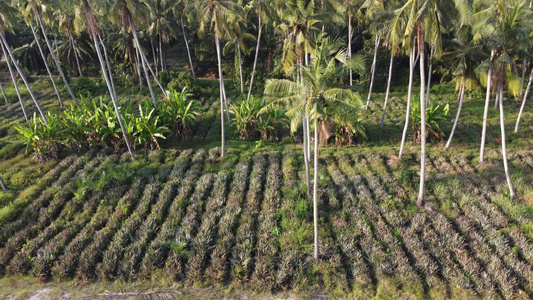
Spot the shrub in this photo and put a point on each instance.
(83, 86)
(250, 117)
(42, 138)
(180, 80)
(178, 112)
(436, 116)
(148, 128)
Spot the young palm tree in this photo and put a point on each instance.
(32, 9)
(215, 16)
(310, 96)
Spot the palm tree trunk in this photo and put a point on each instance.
(307, 157)
(144, 63)
(496, 99)
(8, 50)
(149, 84)
(187, 46)
(315, 192)
(486, 114)
(46, 64)
(3, 184)
(409, 97)
(461, 98)
(154, 54)
(54, 57)
(308, 124)
(255, 60)
(223, 88)
(387, 93)
(350, 45)
(240, 65)
(504, 148)
(138, 67)
(112, 93)
(373, 70)
(523, 102)
(421, 46)
(3, 92)
(143, 57)
(161, 52)
(78, 65)
(14, 82)
(220, 76)
(55, 41)
(432, 52)
(109, 70)
(524, 69)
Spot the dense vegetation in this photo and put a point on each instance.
(163, 141)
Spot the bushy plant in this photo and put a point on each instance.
(83, 86)
(249, 119)
(178, 112)
(180, 80)
(42, 138)
(148, 127)
(436, 116)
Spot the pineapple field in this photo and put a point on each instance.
(187, 216)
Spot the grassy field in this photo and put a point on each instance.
(183, 217)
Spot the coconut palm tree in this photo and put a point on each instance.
(505, 26)
(46, 64)
(264, 12)
(236, 38)
(32, 9)
(7, 23)
(466, 57)
(68, 22)
(310, 96)
(127, 9)
(162, 25)
(216, 16)
(92, 28)
(372, 9)
(181, 8)
(425, 19)
(15, 84)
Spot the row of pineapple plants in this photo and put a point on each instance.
(218, 270)
(67, 205)
(41, 212)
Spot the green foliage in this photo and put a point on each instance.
(250, 118)
(180, 80)
(43, 139)
(83, 86)
(148, 128)
(436, 116)
(178, 112)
